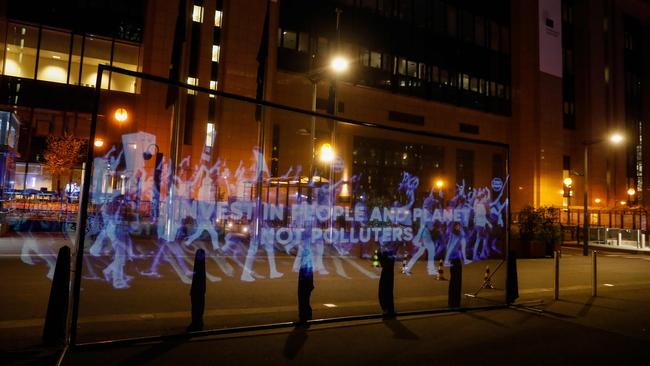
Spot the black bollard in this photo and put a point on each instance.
(512, 284)
(197, 292)
(386, 283)
(57, 306)
(305, 287)
(455, 283)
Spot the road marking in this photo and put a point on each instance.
(360, 268)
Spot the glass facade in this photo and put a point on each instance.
(63, 57)
(428, 38)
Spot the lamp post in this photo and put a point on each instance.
(630, 196)
(566, 192)
(615, 139)
(338, 65)
(155, 194)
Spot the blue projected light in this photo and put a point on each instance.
(140, 221)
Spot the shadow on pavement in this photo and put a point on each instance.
(46, 356)
(155, 351)
(399, 330)
(485, 319)
(294, 343)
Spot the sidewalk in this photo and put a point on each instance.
(611, 329)
(573, 331)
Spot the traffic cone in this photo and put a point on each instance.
(487, 283)
(441, 272)
(375, 259)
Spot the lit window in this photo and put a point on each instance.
(216, 50)
(217, 18)
(197, 14)
(412, 69)
(213, 86)
(401, 66)
(210, 133)
(364, 57)
(375, 60)
(303, 42)
(422, 71)
(289, 40)
(465, 81)
(192, 81)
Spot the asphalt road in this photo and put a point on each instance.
(153, 306)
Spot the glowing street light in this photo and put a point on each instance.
(597, 200)
(568, 181)
(440, 183)
(326, 153)
(616, 138)
(99, 142)
(630, 196)
(121, 115)
(622, 203)
(339, 64)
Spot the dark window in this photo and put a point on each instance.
(467, 128)
(189, 120)
(275, 152)
(566, 162)
(406, 118)
(479, 31)
(451, 21)
(465, 167)
(468, 26)
(195, 49)
(498, 167)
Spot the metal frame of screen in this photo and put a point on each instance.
(83, 215)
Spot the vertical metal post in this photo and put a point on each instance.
(83, 217)
(556, 272)
(314, 94)
(594, 278)
(585, 248)
(642, 240)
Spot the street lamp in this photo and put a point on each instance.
(338, 65)
(614, 138)
(326, 153)
(155, 194)
(566, 192)
(440, 184)
(121, 115)
(630, 196)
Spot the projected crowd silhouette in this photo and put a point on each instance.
(208, 207)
